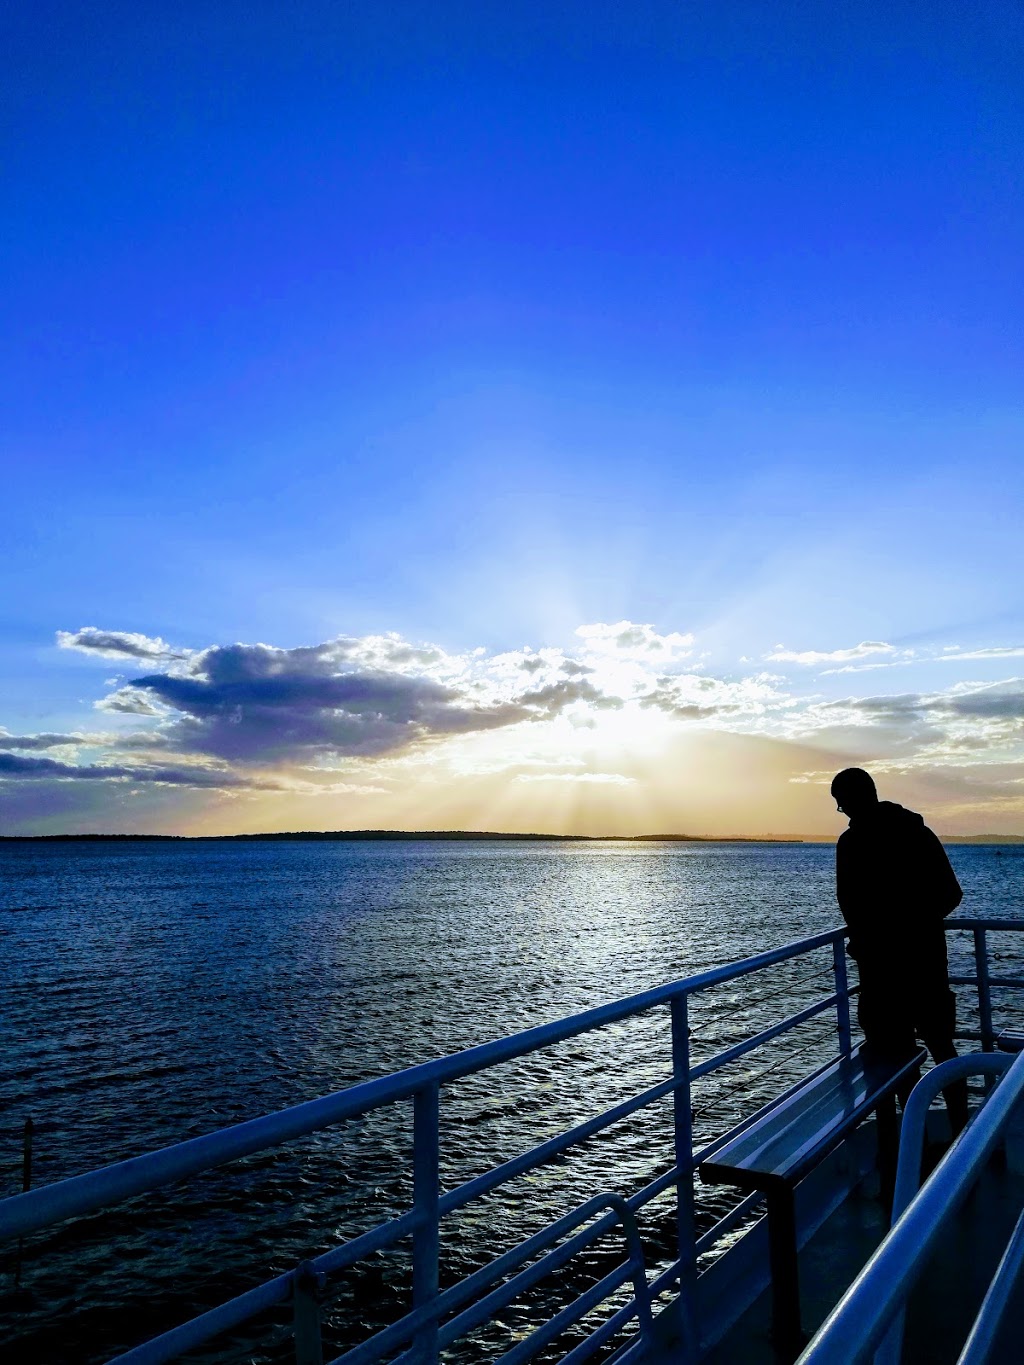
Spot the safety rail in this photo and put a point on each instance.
(439, 1317)
(870, 1309)
(983, 980)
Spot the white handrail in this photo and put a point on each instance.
(857, 1324)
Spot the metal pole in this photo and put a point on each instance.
(686, 1228)
(426, 1242)
(843, 994)
(26, 1185)
(984, 991)
(309, 1348)
(979, 1345)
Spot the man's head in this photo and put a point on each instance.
(854, 792)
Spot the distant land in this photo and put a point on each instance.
(402, 834)
(457, 835)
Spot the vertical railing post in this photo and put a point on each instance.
(984, 990)
(686, 1227)
(426, 1193)
(306, 1285)
(26, 1185)
(842, 994)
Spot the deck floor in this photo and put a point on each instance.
(943, 1306)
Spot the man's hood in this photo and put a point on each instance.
(888, 815)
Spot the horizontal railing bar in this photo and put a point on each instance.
(67, 1198)
(657, 1186)
(510, 1260)
(664, 1279)
(973, 922)
(376, 1239)
(726, 1224)
(499, 1298)
(25, 1213)
(1014, 981)
(765, 1036)
(619, 1319)
(500, 1175)
(568, 1316)
(458, 1294)
(189, 1335)
(389, 1337)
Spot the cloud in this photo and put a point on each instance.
(258, 703)
(696, 696)
(336, 718)
(817, 656)
(999, 702)
(629, 640)
(14, 766)
(28, 743)
(118, 644)
(533, 663)
(994, 652)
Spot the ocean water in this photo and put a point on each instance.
(150, 992)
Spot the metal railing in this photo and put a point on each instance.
(871, 1307)
(983, 980)
(439, 1317)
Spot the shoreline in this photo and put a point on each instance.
(398, 835)
(469, 836)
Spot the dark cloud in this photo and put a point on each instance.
(255, 703)
(992, 704)
(556, 696)
(1002, 703)
(14, 766)
(669, 697)
(684, 710)
(129, 701)
(117, 644)
(27, 743)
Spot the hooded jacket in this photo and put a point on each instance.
(895, 887)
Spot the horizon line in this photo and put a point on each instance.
(470, 834)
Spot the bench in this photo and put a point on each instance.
(786, 1141)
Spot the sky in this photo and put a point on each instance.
(584, 418)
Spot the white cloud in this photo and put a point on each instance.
(629, 640)
(780, 654)
(953, 652)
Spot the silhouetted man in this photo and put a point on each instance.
(895, 887)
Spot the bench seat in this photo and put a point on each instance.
(785, 1142)
(790, 1139)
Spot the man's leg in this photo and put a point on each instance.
(936, 1026)
(888, 1029)
(943, 1049)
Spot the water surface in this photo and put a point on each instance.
(155, 991)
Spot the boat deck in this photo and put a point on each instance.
(941, 1310)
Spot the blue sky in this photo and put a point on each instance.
(475, 325)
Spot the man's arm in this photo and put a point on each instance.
(944, 891)
(848, 891)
